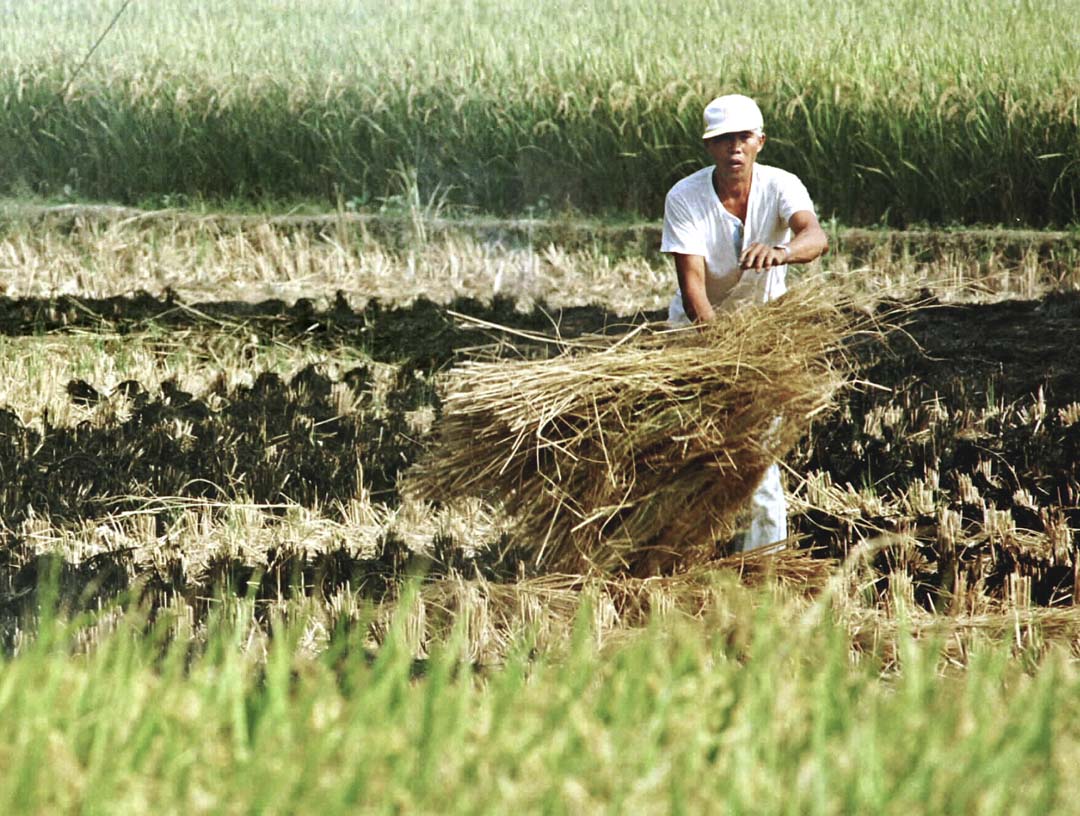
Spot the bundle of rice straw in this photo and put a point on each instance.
(636, 453)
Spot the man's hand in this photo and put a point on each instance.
(759, 256)
(808, 241)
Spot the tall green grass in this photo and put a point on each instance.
(757, 716)
(918, 111)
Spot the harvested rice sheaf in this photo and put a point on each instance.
(636, 453)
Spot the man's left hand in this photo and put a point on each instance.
(760, 256)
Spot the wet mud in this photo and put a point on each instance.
(975, 397)
(275, 442)
(973, 400)
(423, 335)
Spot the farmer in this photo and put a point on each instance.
(732, 229)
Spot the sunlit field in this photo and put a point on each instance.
(757, 707)
(207, 424)
(259, 259)
(916, 112)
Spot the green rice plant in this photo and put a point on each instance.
(919, 112)
(756, 709)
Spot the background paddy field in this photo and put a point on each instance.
(921, 112)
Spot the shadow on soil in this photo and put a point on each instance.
(956, 390)
(423, 335)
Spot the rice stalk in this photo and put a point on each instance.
(636, 454)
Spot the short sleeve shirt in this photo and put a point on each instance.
(696, 223)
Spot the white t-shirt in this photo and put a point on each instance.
(696, 223)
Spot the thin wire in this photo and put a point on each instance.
(93, 48)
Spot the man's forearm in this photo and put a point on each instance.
(697, 307)
(808, 245)
(690, 270)
(808, 240)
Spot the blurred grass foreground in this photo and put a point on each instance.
(759, 707)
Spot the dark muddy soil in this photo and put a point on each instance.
(976, 393)
(422, 336)
(968, 359)
(963, 383)
(274, 442)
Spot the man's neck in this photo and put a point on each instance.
(729, 186)
(733, 191)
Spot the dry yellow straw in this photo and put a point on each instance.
(636, 454)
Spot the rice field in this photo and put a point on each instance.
(325, 480)
(924, 112)
(756, 707)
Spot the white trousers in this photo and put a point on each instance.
(768, 512)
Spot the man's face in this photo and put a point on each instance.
(735, 153)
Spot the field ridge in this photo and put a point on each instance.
(569, 232)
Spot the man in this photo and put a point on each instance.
(732, 229)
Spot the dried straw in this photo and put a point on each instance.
(494, 616)
(636, 454)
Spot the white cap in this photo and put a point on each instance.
(731, 114)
